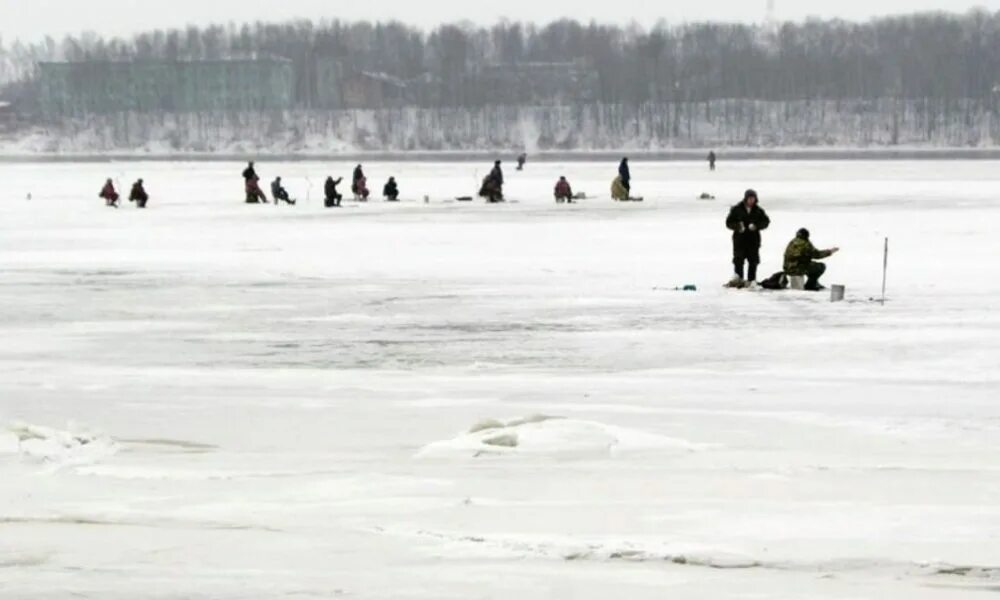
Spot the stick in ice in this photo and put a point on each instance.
(885, 268)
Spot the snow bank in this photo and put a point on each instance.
(546, 435)
(72, 446)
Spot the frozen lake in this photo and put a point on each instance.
(209, 400)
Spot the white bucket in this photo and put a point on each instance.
(797, 282)
(837, 293)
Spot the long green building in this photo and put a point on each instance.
(81, 88)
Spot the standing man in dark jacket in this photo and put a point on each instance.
(746, 220)
(625, 175)
(711, 160)
(497, 174)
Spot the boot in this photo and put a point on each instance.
(736, 282)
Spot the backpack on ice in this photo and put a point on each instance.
(778, 281)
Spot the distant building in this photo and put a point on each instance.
(367, 89)
(80, 88)
(339, 87)
(539, 82)
(8, 116)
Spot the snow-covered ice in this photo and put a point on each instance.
(452, 400)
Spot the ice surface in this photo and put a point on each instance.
(210, 400)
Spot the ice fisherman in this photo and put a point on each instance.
(621, 187)
(332, 196)
(711, 160)
(563, 191)
(359, 184)
(251, 184)
(138, 195)
(521, 159)
(801, 257)
(746, 220)
(279, 193)
(492, 188)
(109, 194)
(391, 191)
(626, 175)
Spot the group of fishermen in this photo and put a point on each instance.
(747, 220)
(492, 186)
(137, 194)
(331, 197)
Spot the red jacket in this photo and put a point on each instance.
(563, 190)
(108, 192)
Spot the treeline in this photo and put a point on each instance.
(717, 123)
(933, 57)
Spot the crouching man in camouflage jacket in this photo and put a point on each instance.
(800, 260)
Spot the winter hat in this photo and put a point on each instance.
(750, 194)
(803, 233)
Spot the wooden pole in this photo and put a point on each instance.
(885, 269)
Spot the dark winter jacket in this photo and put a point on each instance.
(740, 220)
(249, 174)
(624, 173)
(391, 190)
(138, 193)
(278, 191)
(800, 254)
(496, 176)
(330, 188)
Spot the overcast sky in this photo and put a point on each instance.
(33, 19)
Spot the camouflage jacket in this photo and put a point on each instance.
(800, 254)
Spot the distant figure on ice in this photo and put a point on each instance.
(563, 191)
(251, 183)
(332, 196)
(618, 191)
(711, 160)
(359, 185)
(521, 159)
(279, 193)
(391, 191)
(492, 188)
(800, 257)
(626, 175)
(138, 195)
(746, 220)
(109, 194)
(621, 187)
